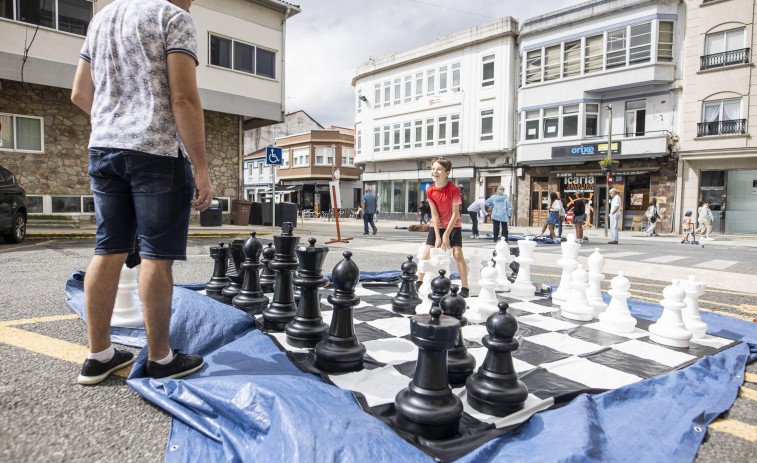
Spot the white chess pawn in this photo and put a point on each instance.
(125, 311)
(503, 262)
(568, 262)
(523, 287)
(669, 329)
(594, 292)
(475, 264)
(691, 317)
(577, 306)
(427, 270)
(486, 302)
(618, 317)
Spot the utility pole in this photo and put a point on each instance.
(609, 155)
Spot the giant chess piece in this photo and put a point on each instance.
(125, 311)
(502, 261)
(523, 287)
(460, 363)
(439, 288)
(341, 351)
(594, 292)
(577, 306)
(568, 262)
(476, 261)
(495, 388)
(669, 329)
(437, 260)
(307, 328)
(486, 302)
(282, 309)
(219, 280)
(691, 317)
(407, 298)
(618, 317)
(427, 407)
(251, 298)
(268, 276)
(234, 270)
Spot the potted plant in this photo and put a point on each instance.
(608, 164)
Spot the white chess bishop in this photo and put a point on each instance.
(618, 317)
(577, 306)
(669, 329)
(523, 287)
(125, 312)
(486, 302)
(691, 317)
(568, 262)
(594, 291)
(503, 263)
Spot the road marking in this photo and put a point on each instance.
(665, 259)
(750, 377)
(615, 255)
(716, 264)
(26, 246)
(29, 321)
(748, 393)
(736, 428)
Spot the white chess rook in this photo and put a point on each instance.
(125, 312)
(486, 302)
(568, 262)
(503, 262)
(669, 329)
(523, 287)
(577, 306)
(618, 317)
(594, 292)
(691, 317)
(476, 258)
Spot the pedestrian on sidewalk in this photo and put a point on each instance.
(370, 207)
(136, 79)
(704, 217)
(562, 215)
(615, 208)
(502, 211)
(477, 207)
(652, 215)
(425, 212)
(579, 216)
(688, 228)
(554, 215)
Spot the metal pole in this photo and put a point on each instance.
(607, 188)
(273, 198)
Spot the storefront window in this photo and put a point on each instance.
(398, 196)
(412, 195)
(465, 193)
(383, 195)
(636, 198)
(741, 213)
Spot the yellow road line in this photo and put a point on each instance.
(26, 246)
(45, 345)
(750, 377)
(28, 321)
(748, 393)
(736, 428)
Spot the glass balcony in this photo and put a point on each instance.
(734, 127)
(727, 58)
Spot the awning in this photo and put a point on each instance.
(584, 160)
(284, 189)
(600, 172)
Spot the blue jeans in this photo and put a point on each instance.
(139, 194)
(474, 221)
(368, 219)
(496, 224)
(559, 227)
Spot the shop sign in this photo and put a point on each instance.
(579, 183)
(584, 149)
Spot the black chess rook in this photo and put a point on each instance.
(251, 298)
(268, 276)
(460, 363)
(282, 309)
(234, 270)
(307, 327)
(219, 280)
(407, 298)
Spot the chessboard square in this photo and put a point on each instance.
(366, 332)
(532, 405)
(546, 322)
(326, 315)
(396, 326)
(594, 375)
(479, 353)
(545, 385)
(715, 342)
(536, 354)
(385, 307)
(565, 343)
(474, 332)
(557, 315)
(656, 352)
(643, 324)
(281, 338)
(362, 291)
(694, 349)
(525, 331)
(635, 334)
(391, 350)
(531, 307)
(379, 386)
(596, 336)
(407, 368)
(517, 312)
(371, 312)
(643, 368)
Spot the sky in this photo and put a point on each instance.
(328, 39)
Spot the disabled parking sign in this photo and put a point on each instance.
(273, 156)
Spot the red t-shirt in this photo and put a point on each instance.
(444, 199)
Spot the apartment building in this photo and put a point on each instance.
(454, 98)
(44, 137)
(718, 155)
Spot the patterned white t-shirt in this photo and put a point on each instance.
(127, 46)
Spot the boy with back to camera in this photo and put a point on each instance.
(445, 201)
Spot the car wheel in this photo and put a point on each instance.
(18, 233)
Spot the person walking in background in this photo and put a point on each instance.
(562, 215)
(704, 218)
(370, 207)
(615, 208)
(477, 207)
(688, 228)
(424, 211)
(579, 216)
(502, 210)
(652, 214)
(554, 215)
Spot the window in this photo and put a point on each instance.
(430, 82)
(616, 48)
(231, 54)
(244, 57)
(443, 79)
(20, 133)
(456, 77)
(376, 139)
(552, 63)
(532, 125)
(430, 132)
(593, 54)
(665, 41)
(570, 120)
(377, 96)
(35, 204)
(65, 15)
(324, 156)
(406, 132)
(74, 16)
(591, 119)
(487, 71)
(220, 52)
(348, 156)
(418, 85)
(533, 66)
(396, 137)
(454, 131)
(359, 140)
(359, 100)
(284, 159)
(725, 49)
(641, 43)
(397, 91)
(418, 133)
(301, 157)
(572, 59)
(387, 93)
(487, 124)
(260, 169)
(721, 117)
(66, 204)
(635, 118)
(551, 122)
(408, 89)
(386, 138)
(442, 130)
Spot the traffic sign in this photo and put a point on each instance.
(273, 156)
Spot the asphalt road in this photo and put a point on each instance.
(46, 416)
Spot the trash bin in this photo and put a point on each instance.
(240, 211)
(286, 212)
(212, 216)
(256, 213)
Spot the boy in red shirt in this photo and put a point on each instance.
(445, 201)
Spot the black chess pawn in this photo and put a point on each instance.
(460, 363)
(407, 298)
(219, 280)
(427, 407)
(307, 328)
(341, 351)
(234, 270)
(495, 388)
(268, 276)
(282, 309)
(439, 288)
(251, 298)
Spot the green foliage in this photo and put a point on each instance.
(607, 162)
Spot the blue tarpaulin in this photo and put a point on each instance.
(250, 403)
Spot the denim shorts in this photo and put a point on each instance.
(145, 195)
(554, 217)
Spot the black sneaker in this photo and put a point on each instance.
(464, 292)
(375, 230)
(95, 371)
(181, 365)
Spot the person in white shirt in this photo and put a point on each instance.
(614, 215)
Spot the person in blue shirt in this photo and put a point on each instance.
(369, 209)
(502, 210)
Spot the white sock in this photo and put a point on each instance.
(167, 360)
(103, 356)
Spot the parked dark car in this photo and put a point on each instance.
(12, 208)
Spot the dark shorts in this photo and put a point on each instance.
(455, 236)
(579, 218)
(145, 195)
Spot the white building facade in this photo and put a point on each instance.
(453, 98)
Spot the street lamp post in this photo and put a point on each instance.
(609, 155)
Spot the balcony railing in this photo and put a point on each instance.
(734, 127)
(727, 58)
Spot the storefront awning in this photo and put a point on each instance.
(585, 159)
(283, 189)
(600, 172)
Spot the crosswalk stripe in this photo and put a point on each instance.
(736, 428)
(616, 255)
(664, 259)
(716, 264)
